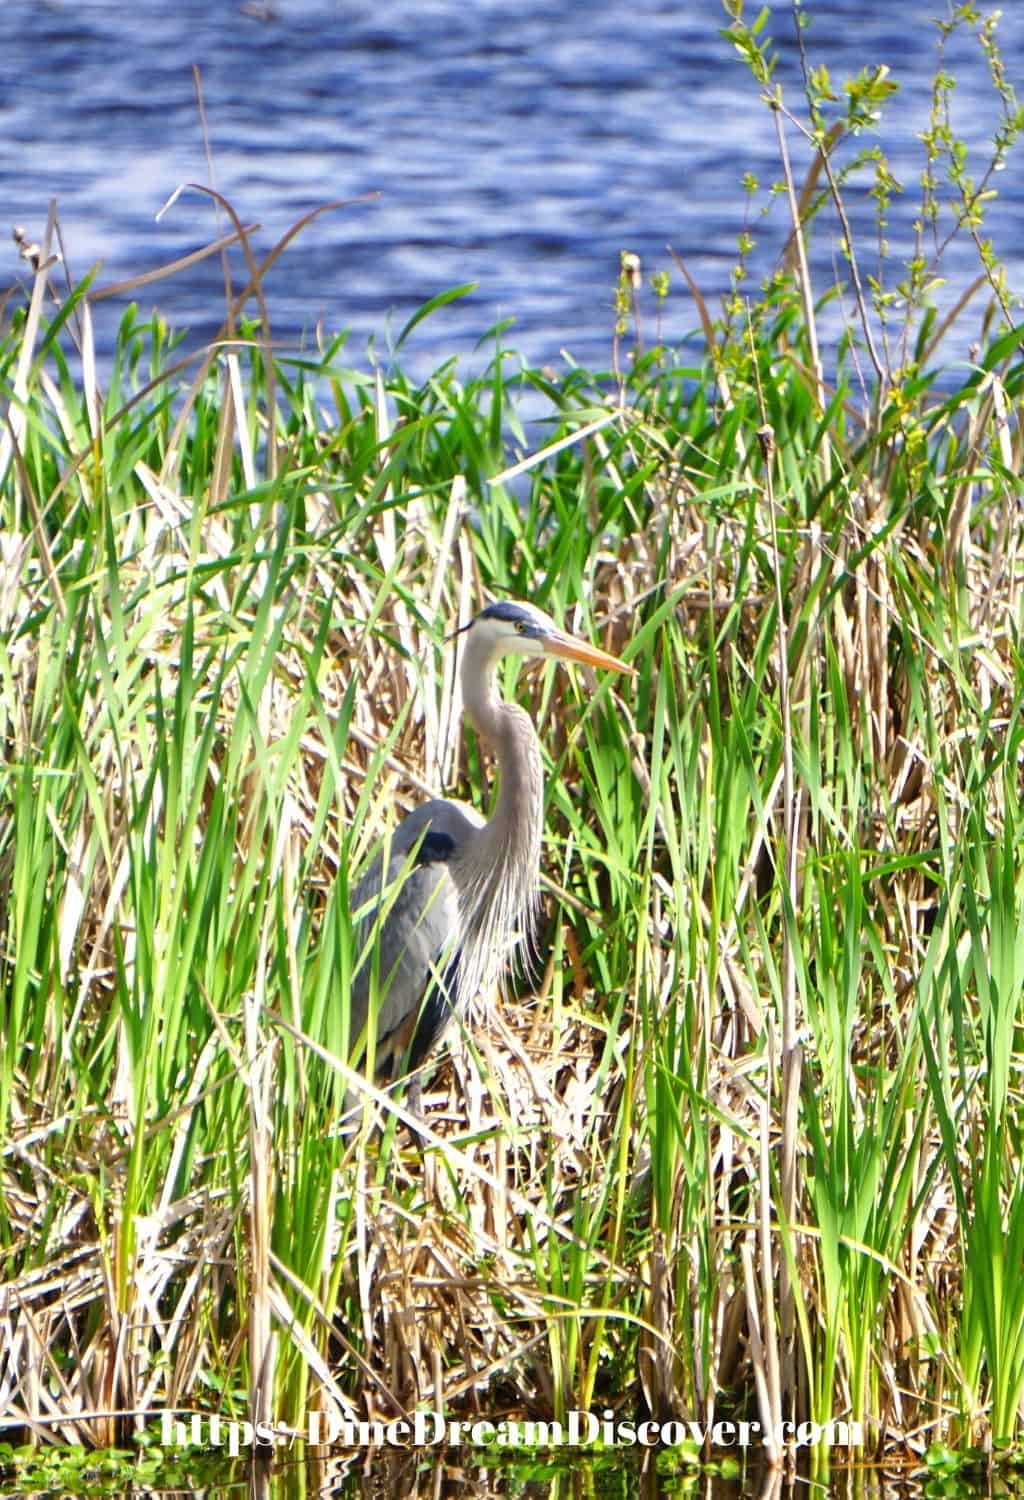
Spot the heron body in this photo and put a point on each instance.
(459, 893)
(416, 959)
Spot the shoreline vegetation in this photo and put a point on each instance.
(747, 1147)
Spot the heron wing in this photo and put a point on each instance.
(411, 933)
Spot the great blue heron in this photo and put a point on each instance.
(460, 893)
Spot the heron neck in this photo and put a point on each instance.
(519, 805)
(496, 871)
(480, 691)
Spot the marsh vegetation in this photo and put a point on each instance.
(749, 1143)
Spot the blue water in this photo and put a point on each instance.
(521, 146)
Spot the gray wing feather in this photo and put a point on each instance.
(419, 935)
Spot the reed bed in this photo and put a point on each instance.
(749, 1141)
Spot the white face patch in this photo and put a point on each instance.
(515, 628)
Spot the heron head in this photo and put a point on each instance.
(514, 628)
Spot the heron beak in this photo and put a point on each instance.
(569, 648)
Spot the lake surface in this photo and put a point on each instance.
(519, 146)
